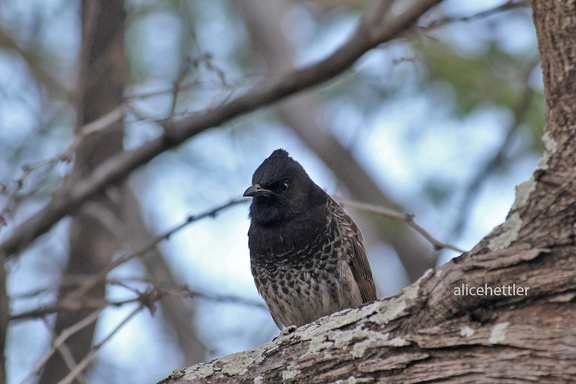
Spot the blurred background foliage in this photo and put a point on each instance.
(444, 123)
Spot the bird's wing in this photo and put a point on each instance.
(358, 261)
(361, 270)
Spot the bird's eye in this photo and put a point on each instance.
(284, 186)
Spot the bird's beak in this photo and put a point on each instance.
(256, 190)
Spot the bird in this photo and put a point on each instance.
(307, 255)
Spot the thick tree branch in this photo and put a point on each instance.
(269, 91)
(428, 332)
(504, 312)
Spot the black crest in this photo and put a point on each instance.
(282, 190)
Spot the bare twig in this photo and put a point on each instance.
(179, 84)
(94, 280)
(60, 339)
(511, 4)
(64, 351)
(76, 301)
(178, 291)
(27, 170)
(36, 64)
(146, 299)
(88, 358)
(406, 217)
(71, 306)
(160, 92)
(176, 88)
(65, 156)
(223, 82)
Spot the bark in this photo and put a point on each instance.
(432, 331)
(93, 238)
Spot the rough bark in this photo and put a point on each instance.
(429, 332)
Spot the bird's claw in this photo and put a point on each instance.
(285, 332)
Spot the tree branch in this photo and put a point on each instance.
(430, 331)
(59, 340)
(269, 91)
(67, 305)
(92, 281)
(81, 366)
(406, 217)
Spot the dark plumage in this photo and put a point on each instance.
(306, 253)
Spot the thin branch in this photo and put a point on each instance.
(176, 88)
(37, 64)
(406, 217)
(75, 301)
(59, 341)
(64, 351)
(178, 84)
(86, 360)
(71, 306)
(146, 299)
(65, 156)
(27, 170)
(511, 4)
(177, 291)
(160, 92)
(265, 93)
(185, 292)
(92, 281)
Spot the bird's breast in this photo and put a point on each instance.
(278, 241)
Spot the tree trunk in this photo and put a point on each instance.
(100, 88)
(503, 312)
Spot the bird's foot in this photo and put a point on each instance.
(285, 332)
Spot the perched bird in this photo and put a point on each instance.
(306, 253)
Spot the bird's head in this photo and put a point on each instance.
(281, 190)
